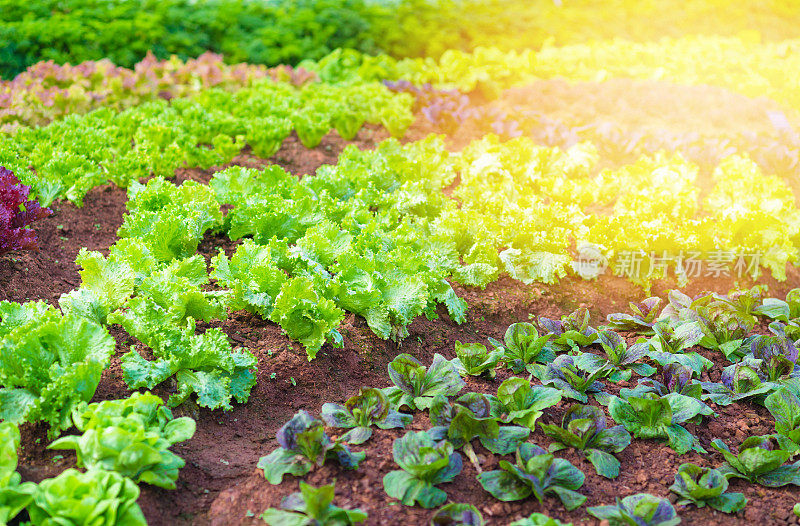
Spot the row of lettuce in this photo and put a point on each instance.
(573, 361)
(457, 115)
(518, 208)
(48, 91)
(285, 32)
(50, 366)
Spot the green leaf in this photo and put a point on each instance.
(504, 486)
(409, 490)
(605, 464)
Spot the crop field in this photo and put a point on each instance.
(446, 262)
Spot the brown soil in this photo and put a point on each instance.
(220, 484)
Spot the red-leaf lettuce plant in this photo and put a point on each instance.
(16, 213)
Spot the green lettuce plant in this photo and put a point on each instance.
(701, 486)
(368, 407)
(472, 416)
(575, 379)
(652, 416)
(522, 403)
(303, 445)
(642, 319)
(641, 509)
(131, 437)
(675, 378)
(49, 363)
(670, 345)
(784, 406)
(202, 364)
(570, 333)
(474, 359)
(425, 463)
(415, 385)
(312, 506)
(722, 329)
(625, 359)
(536, 473)
(759, 460)
(522, 345)
(94, 497)
(14, 495)
(306, 315)
(739, 381)
(781, 310)
(584, 428)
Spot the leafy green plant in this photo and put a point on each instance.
(620, 355)
(536, 473)
(781, 310)
(474, 359)
(759, 460)
(415, 385)
(131, 437)
(739, 381)
(473, 416)
(660, 417)
(522, 346)
(641, 509)
(784, 406)
(570, 333)
(522, 403)
(170, 219)
(369, 406)
(576, 380)
(744, 302)
(48, 363)
(307, 316)
(642, 319)
(584, 428)
(94, 497)
(777, 356)
(311, 126)
(312, 506)
(253, 276)
(202, 364)
(456, 514)
(675, 378)
(14, 495)
(669, 345)
(424, 464)
(674, 337)
(722, 329)
(701, 486)
(304, 445)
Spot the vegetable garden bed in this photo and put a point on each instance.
(220, 483)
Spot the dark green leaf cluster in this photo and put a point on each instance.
(640, 509)
(701, 486)
(303, 445)
(536, 473)
(312, 506)
(368, 407)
